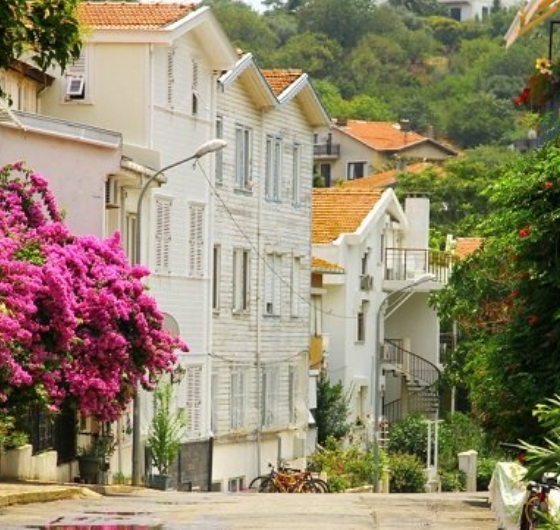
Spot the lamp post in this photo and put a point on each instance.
(376, 371)
(208, 147)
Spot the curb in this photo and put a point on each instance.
(38, 494)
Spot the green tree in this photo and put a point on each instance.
(332, 410)
(246, 28)
(504, 299)
(346, 22)
(46, 31)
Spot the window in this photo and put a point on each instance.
(243, 157)
(238, 398)
(170, 76)
(455, 13)
(193, 409)
(215, 381)
(76, 86)
(196, 240)
(272, 278)
(296, 175)
(273, 167)
(270, 396)
(216, 272)
(219, 155)
(361, 323)
(195, 93)
(241, 272)
(295, 287)
(292, 393)
(365, 261)
(356, 170)
(326, 174)
(130, 236)
(163, 234)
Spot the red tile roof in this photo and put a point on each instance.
(131, 15)
(280, 80)
(465, 246)
(384, 179)
(380, 135)
(339, 211)
(326, 267)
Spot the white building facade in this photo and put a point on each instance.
(262, 263)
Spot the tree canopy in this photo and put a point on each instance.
(47, 31)
(76, 322)
(504, 299)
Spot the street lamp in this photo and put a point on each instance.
(376, 394)
(208, 147)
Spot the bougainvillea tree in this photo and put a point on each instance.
(77, 325)
(506, 301)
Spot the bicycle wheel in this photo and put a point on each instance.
(527, 515)
(268, 486)
(307, 486)
(257, 481)
(321, 485)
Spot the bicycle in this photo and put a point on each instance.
(288, 480)
(536, 505)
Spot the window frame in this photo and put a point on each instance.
(243, 157)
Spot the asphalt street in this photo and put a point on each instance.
(153, 510)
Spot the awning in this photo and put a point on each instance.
(529, 16)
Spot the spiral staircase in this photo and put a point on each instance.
(420, 379)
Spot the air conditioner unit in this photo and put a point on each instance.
(111, 193)
(366, 282)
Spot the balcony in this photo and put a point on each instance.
(326, 151)
(409, 264)
(315, 351)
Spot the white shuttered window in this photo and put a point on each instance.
(241, 277)
(193, 405)
(163, 234)
(272, 280)
(270, 396)
(238, 398)
(196, 240)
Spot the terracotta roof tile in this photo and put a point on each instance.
(385, 179)
(131, 15)
(380, 135)
(280, 80)
(324, 266)
(466, 246)
(339, 211)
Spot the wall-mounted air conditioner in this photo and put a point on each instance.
(111, 193)
(366, 282)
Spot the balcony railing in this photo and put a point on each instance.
(409, 264)
(326, 150)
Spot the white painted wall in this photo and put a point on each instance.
(76, 172)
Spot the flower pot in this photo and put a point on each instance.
(161, 482)
(90, 468)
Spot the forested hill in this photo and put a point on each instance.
(399, 60)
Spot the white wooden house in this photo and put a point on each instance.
(262, 269)
(149, 71)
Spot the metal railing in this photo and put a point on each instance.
(326, 149)
(421, 378)
(410, 263)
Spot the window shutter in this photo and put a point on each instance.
(76, 78)
(196, 240)
(194, 400)
(170, 76)
(163, 233)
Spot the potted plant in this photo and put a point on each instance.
(93, 459)
(166, 432)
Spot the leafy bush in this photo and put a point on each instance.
(484, 472)
(409, 436)
(454, 480)
(332, 410)
(346, 468)
(407, 474)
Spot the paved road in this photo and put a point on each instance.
(151, 510)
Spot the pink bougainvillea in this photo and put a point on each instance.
(76, 323)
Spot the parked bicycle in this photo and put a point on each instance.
(536, 505)
(288, 480)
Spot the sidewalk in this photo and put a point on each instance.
(29, 492)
